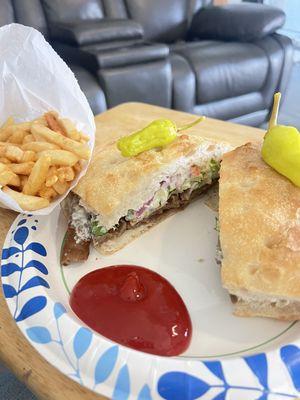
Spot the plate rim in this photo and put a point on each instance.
(177, 363)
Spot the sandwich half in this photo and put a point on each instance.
(259, 223)
(120, 198)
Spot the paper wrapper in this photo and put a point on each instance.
(34, 79)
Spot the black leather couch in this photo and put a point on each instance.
(225, 62)
(31, 13)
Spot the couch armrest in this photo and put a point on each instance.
(96, 31)
(237, 22)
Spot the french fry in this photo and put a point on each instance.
(14, 153)
(47, 192)
(28, 138)
(41, 158)
(69, 129)
(24, 126)
(52, 176)
(4, 160)
(8, 122)
(39, 146)
(9, 178)
(12, 133)
(60, 187)
(6, 133)
(37, 137)
(51, 118)
(18, 136)
(65, 143)
(61, 175)
(28, 203)
(84, 137)
(37, 176)
(14, 181)
(52, 171)
(51, 180)
(78, 167)
(29, 155)
(60, 157)
(70, 174)
(5, 177)
(24, 168)
(5, 130)
(3, 167)
(40, 121)
(5, 144)
(23, 179)
(65, 174)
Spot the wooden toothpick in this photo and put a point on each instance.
(275, 109)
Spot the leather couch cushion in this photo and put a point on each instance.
(134, 54)
(242, 22)
(184, 84)
(225, 69)
(91, 88)
(116, 54)
(198, 4)
(162, 20)
(231, 108)
(31, 14)
(255, 118)
(148, 83)
(87, 32)
(279, 50)
(6, 12)
(72, 10)
(115, 8)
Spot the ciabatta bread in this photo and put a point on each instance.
(259, 236)
(115, 184)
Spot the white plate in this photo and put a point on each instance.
(228, 358)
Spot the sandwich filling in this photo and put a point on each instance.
(174, 191)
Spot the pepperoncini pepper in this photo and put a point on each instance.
(281, 147)
(159, 133)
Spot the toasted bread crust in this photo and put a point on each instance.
(117, 176)
(259, 227)
(289, 313)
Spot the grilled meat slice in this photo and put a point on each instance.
(73, 250)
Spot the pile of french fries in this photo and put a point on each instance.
(39, 159)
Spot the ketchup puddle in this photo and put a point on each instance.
(135, 307)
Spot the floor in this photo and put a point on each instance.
(10, 387)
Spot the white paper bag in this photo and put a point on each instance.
(33, 80)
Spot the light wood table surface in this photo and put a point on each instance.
(15, 351)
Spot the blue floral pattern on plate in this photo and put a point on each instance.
(21, 247)
(113, 370)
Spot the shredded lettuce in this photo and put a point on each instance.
(98, 230)
(130, 215)
(214, 167)
(217, 225)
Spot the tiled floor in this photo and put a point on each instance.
(10, 387)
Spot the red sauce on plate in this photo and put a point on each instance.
(135, 307)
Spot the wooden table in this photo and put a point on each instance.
(15, 351)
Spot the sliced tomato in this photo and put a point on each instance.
(195, 170)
